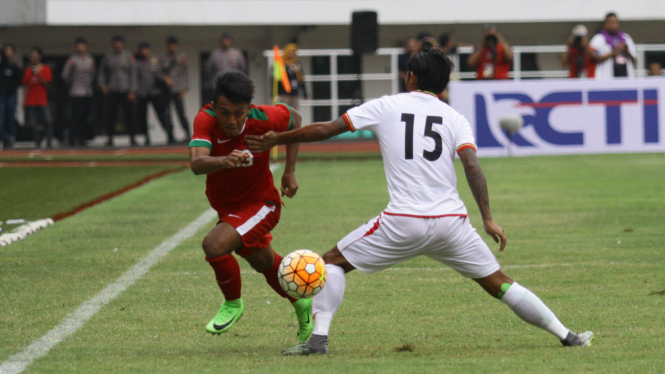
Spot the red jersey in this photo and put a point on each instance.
(492, 64)
(252, 182)
(36, 93)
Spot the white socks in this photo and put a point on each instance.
(532, 310)
(328, 300)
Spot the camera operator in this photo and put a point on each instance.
(580, 57)
(493, 57)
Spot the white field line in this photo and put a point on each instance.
(40, 347)
(24, 231)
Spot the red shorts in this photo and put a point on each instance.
(253, 222)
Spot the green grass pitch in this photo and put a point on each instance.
(585, 234)
(43, 192)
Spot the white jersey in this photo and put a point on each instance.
(419, 136)
(605, 69)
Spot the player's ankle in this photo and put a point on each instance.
(300, 304)
(237, 302)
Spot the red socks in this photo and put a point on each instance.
(273, 280)
(227, 272)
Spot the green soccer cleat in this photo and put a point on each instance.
(229, 313)
(303, 311)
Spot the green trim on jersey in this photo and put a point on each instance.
(200, 143)
(290, 115)
(258, 114)
(210, 112)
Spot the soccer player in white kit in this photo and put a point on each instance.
(419, 136)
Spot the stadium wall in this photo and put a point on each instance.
(196, 40)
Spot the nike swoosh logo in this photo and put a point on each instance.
(219, 141)
(307, 317)
(233, 215)
(219, 327)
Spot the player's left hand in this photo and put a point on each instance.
(496, 232)
(261, 143)
(289, 184)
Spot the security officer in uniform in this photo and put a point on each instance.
(117, 79)
(79, 73)
(174, 65)
(148, 91)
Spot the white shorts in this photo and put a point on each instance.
(389, 239)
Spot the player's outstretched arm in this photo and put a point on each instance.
(202, 163)
(311, 133)
(289, 182)
(478, 184)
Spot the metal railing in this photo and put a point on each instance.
(392, 53)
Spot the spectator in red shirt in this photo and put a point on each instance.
(37, 112)
(580, 57)
(492, 58)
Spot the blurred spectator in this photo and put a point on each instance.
(225, 59)
(79, 73)
(294, 72)
(492, 58)
(655, 69)
(117, 79)
(10, 81)
(447, 44)
(412, 48)
(580, 57)
(37, 112)
(148, 92)
(615, 50)
(426, 41)
(174, 67)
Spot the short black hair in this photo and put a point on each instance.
(80, 40)
(235, 86)
(432, 68)
(610, 14)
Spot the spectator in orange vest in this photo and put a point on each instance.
(493, 57)
(580, 57)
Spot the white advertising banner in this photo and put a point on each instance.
(564, 116)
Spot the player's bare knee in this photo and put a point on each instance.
(334, 257)
(214, 248)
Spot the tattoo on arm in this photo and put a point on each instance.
(477, 182)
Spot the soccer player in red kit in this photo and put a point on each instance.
(240, 188)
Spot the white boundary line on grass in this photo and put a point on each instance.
(40, 347)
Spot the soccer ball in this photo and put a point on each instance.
(302, 274)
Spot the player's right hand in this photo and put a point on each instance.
(262, 143)
(496, 232)
(235, 159)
